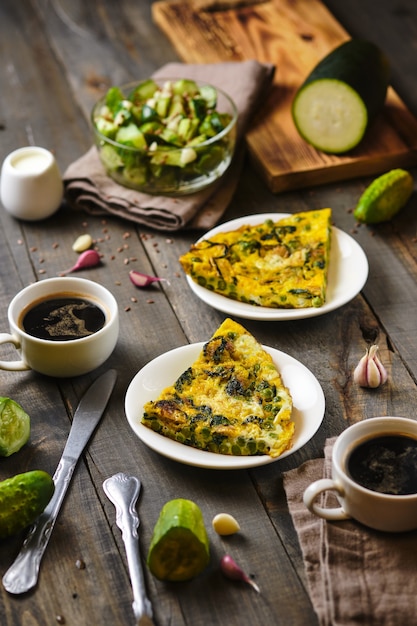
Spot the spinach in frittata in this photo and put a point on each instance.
(231, 400)
(281, 264)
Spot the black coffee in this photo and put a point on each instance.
(387, 464)
(63, 319)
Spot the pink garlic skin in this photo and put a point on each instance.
(370, 372)
(232, 570)
(88, 258)
(144, 280)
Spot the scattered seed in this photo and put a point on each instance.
(126, 235)
(42, 271)
(126, 261)
(55, 245)
(33, 249)
(80, 564)
(150, 301)
(127, 308)
(60, 619)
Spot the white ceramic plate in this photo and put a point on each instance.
(307, 395)
(348, 272)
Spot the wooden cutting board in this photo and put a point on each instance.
(293, 35)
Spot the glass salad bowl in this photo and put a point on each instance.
(165, 137)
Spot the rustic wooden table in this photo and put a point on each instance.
(57, 58)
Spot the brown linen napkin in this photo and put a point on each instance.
(355, 575)
(87, 186)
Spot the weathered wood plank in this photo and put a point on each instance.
(67, 53)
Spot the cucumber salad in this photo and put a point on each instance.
(165, 138)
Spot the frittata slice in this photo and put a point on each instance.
(282, 264)
(231, 400)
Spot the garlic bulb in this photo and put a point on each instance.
(370, 372)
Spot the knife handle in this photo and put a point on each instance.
(22, 575)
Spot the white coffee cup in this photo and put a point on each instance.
(31, 186)
(61, 358)
(381, 511)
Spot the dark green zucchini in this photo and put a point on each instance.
(342, 95)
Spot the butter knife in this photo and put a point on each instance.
(22, 575)
(123, 491)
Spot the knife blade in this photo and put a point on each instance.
(22, 575)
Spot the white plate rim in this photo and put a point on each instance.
(148, 383)
(347, 259)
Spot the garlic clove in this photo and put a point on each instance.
(144, 280)
(82, 243)
(370, 372)
(88, 258)
(225, 524)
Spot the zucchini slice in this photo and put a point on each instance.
(340, 98)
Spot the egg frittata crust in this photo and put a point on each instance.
(231, 400)
(281, 264)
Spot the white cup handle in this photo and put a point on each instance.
(12, 366)
(315, 489)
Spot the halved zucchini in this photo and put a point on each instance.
(339, 99)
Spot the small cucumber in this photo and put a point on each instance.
(384, 197)
(342, 95)
(14, 426)
(22, 499)
(179, 548)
